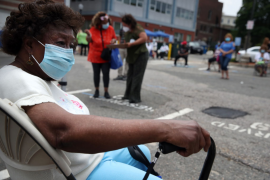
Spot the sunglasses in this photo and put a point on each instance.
(102, 18)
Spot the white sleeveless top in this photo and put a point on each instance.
(24, 89)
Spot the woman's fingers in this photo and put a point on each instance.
(207, 139)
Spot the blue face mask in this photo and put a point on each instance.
(105, 26)
(57, 61)
(262, 51)
(228, 39)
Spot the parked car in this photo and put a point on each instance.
(251, 52)
(194, 47)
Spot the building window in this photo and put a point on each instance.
(158, 6)
(201, 28)
(169, 9)
(138, 3)
(178, 37)
(211, 30)
(178, 11)
(233, 21)
(228, 21)
(209, 15)
(133, 2)
(153, 4)
(184, 13)
(163, 9)
(222, 20)
(188, 38)
(217, 20)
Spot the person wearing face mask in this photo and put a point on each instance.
(163, 50)
(100, 35)
(226, 48)
(95, 146)
(137, 57)
(262, 59)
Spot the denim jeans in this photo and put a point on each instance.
(224, 61)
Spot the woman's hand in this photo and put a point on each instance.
(113, 41)
(129, 45)
(87, 32)
(189, 135)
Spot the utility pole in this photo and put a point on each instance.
(249, 31)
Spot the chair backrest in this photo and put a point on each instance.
(23, 147)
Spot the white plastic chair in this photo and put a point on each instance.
(24, 149)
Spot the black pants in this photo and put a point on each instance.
(180, 56)
(135, 78)
(162, 54)
(213, 59)
(83, 48)
(105, 68)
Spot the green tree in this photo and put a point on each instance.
(262, 21)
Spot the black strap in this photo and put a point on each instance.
(138, 155)
(102, 38)
(151, 167)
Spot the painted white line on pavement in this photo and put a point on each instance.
(79, 91)
(202, 69)
(4, 174)
(176, 114)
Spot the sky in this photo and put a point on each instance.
(231, 7)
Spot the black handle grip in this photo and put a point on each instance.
(167, 148)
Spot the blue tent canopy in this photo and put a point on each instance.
(161, 34)
(150, 33)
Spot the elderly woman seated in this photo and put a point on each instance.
(41, 35)
(262, 59)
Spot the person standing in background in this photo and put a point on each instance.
(123, 54)
(226, 48)
(100, 35)
(81, 38)
(137, 57)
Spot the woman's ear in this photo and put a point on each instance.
(28, 45)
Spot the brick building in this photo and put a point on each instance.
(209, 22)
(174, 17)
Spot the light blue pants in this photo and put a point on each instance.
(119, 165)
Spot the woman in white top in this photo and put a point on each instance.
(262, 59)
(41, 36)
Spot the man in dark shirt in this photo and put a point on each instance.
(182, 53)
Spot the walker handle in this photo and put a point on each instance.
(166, 148)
